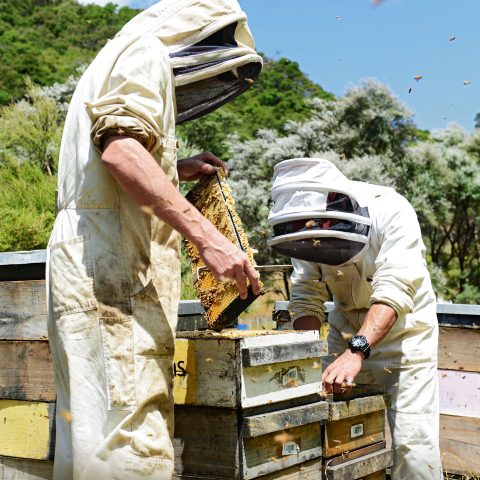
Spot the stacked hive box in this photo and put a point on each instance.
(354, 444)
(459, 385)
(27, 390)
(248, 405)
(459, 382)
(240, 398)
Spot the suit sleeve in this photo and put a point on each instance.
(131, 101)
(400, 264)
(308, 293)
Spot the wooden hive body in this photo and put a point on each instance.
(245, 369)
(223, 443)
(354, 424)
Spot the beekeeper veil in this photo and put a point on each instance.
(318, 214)
(211, 51)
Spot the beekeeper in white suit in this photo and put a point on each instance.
(114, 268)
(363, 243)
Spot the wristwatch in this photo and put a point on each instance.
(359, 343)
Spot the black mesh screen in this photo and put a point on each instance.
(329, 251)
(332, 224)
(224, 38)
(200, 98)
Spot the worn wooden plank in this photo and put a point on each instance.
(459, 348)
(23, 469)
(380, 475)
(27, 429)
(311, 470)
(460, 444)
(360, 452)
(26, 371)
(23, 311)
(459, 393)
(350, 433)
(265, 355)
(361, 467)
(357, 406)
(280, 450)
(206, 442)
(256, 425)
(359, 390)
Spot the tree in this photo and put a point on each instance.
(39, 39)
(477, 120)
(30, 132)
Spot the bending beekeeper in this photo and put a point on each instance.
(363, 243)
(114, 267)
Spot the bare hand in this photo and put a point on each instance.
(195, 167)
(339, 376)
(228, 263)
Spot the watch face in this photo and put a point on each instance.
(358, 341)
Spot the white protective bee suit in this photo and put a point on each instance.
(114, 272)
(317, 214)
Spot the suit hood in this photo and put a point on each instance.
(318, 214)
(210, 47)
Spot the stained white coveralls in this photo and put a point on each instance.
(390, 269)
(113, 275)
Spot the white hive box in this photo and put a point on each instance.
(246, 369)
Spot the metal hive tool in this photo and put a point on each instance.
(222, 304)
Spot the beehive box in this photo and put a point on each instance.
(221, 443)
(459, 386)
(367, 463)
(353, 424)
(244, 369)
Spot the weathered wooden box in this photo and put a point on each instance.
(367, 463)
(244, 369)
(224, 443)
(459, 385)
(353, 424)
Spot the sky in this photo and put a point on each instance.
(339, 43)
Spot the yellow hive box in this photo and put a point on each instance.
(222, 304)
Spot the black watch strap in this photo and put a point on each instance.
(359, 343)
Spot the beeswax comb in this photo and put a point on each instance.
(220, 300)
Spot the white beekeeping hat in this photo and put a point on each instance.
(318, 214)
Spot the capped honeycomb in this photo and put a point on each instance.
(220, 300)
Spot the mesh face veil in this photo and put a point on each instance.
(230, 76)
(316, 215)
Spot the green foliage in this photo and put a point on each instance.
(48, 40)
(27, 206)
(30, 132)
